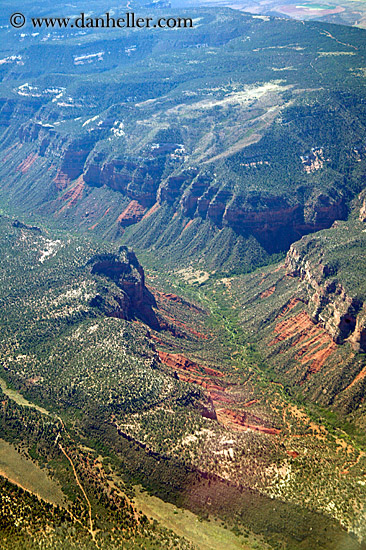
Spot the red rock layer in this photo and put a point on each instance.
(153, 209)
(179, 362)
(61, 180)
(226, 416)
(314, 345)
(27, 163)
(268, 292)
(132, 214)
(72, 196)
(361, 375)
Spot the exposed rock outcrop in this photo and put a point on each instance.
(239, 420)
(138, 180)
(150, 176)
(129, 298)
(132, 214)
(179, 362)
(271, 219)
(342, 315)
(73, 161)
(278, 225)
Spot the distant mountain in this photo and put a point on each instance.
(345, 12)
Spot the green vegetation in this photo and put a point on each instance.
(122, 418)
(254, 139)
(230, 388)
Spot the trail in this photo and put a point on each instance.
(314, 69)
(327, 33)
(91, 529)
(20, 400)
(347, 466)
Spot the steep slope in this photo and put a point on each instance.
(309, 316)
(254, 140)
(71, 341)
(97, 395)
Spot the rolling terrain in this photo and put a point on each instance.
(182, 284)
(244, 135)
(170, 391)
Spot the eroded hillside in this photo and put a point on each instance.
(255, 139)
(153, 394)
(308, 315)
(209, 396)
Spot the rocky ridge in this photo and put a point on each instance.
(275, 222)
(342, 315)
(132, 298)
(330, 303)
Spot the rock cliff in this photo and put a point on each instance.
(341, 311)
(128, 297)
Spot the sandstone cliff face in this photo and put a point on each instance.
(145, 180)
(280, 223)
(129, 298)
(73, 159)
(271, 219)
(139, 181)
(153, 176)
(12, 110)
(342, 315)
